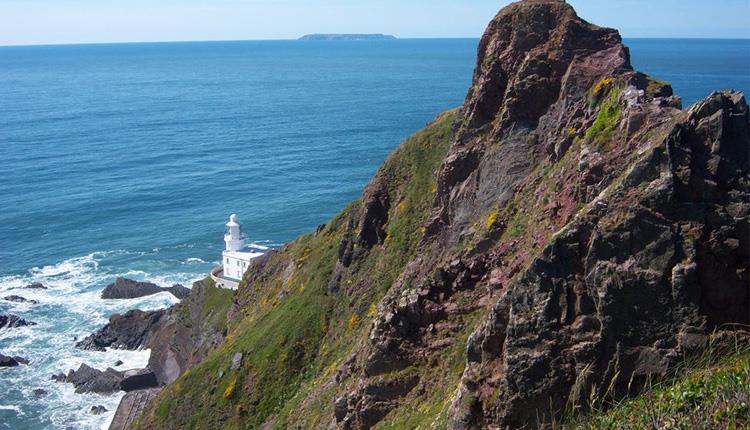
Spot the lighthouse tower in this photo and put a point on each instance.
(234, 239)
(235, 257)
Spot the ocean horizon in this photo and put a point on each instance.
(159, 42)
(126, 159)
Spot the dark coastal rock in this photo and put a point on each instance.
(89, 380)
(6, 361)
(178, 291)
(628, 259)
(118, 363)
(586, 232)
(13, 321)
(19, 299)
(608, 305)
(35, 286)
(39, 392)
(60, 377)
(138, 379)
(97, 410)
(124, 288)
(185, 337)
(130, 331)
(175, 340)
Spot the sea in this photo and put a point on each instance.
(127, 160)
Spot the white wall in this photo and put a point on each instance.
(234, 267)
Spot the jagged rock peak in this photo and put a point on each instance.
(525, 58)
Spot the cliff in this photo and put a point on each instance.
(565, 236)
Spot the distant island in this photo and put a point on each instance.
(347, 37)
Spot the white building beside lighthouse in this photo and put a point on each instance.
(236, 257)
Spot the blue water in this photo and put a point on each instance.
(127, 160)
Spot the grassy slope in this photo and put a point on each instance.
(708, 393)
(295, 333)
(213, 311)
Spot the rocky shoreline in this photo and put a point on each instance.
(172, 335)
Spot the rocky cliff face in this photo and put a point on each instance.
(565, 235)
(179, 337)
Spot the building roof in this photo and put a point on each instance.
(246, 253)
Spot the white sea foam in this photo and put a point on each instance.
(13, 408)
(70, 309)
(195, 261)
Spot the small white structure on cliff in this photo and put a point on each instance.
(236, 256)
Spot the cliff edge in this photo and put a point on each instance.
(568, 234)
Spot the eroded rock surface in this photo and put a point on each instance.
(172, 335)
(89, 380)
(130, 331)
(583, 235)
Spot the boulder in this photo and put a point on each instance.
(19, 299)
(97, 410)
(138, 379)
(6, 361)
(130, 331)
(237, 361)
(178, 291)
(35, 286)
(89, 380)
(118, 363)
(13, 321)
(39, 392)
(124, 288)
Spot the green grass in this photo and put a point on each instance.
(712, 392)
(278, 342)
(654, 86)
(607, 120)
(216, 305)
(430, 409)
(295, 331)
(517, 226)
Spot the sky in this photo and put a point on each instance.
(28, 22)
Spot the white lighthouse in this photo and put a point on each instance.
(236, 256)
(234, 239)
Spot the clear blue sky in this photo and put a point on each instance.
(76, 21)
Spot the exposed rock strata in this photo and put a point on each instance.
(89, 380)
(175, 340)
(586, 234)
(625, 289)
